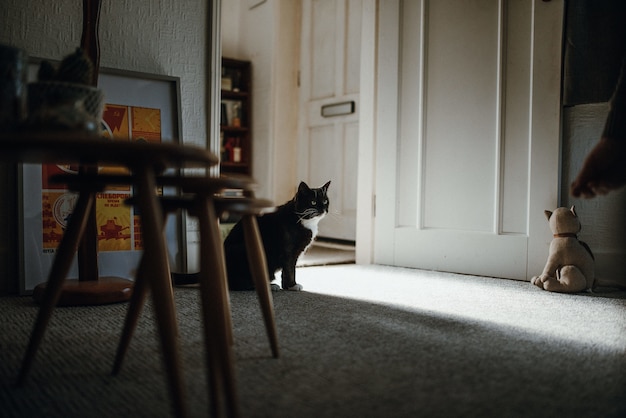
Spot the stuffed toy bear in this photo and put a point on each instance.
(569, 268)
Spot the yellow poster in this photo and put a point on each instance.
(57, 207)
(113, 220)
(146, 124)
(118, 225)
(137, 233)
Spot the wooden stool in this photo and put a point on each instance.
(249, 208)
(203, 202)
(144, 160)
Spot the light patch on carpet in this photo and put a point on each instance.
(578, 318)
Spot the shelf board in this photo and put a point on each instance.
(234, 95)
(232, 164)
(233, 129)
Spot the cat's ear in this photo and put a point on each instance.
(302, 188)
(325, 187)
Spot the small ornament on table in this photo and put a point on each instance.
(63, 98)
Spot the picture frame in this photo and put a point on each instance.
(140, 94)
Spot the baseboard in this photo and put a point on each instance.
(339, 244)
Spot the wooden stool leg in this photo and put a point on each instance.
(58, 272)
(157, 272)
(137, 302)
(260, 275)
(216, 310)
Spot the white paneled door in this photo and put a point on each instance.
(328, 123)
(467, 134)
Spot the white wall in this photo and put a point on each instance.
(268, 36)
(155, 36)
(230, 11)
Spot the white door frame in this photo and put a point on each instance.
(367, 136)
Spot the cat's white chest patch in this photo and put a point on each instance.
(312, 224)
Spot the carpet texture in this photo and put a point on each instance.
(360, 341)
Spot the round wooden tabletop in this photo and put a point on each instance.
(91, 149)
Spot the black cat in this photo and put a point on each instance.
(286, 234)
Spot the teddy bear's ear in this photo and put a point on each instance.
(547, 213)
(573, 210)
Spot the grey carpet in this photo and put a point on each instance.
(358, 342)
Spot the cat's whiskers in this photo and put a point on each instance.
(334, 214)
(306, 214)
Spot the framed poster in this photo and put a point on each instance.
(138, 106)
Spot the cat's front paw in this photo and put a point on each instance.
(295, 288)
(274, 287)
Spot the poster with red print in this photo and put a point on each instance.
(140, 107)
(119, 123)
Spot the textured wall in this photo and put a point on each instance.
(268, 35)
(166, 37)
(603, 218)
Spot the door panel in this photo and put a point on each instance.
(460, 124)
(463, 196)
(323, 47)
(329, 74)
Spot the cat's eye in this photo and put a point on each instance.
(313, 202)
(326, 201)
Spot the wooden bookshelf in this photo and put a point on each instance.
(236, 117)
